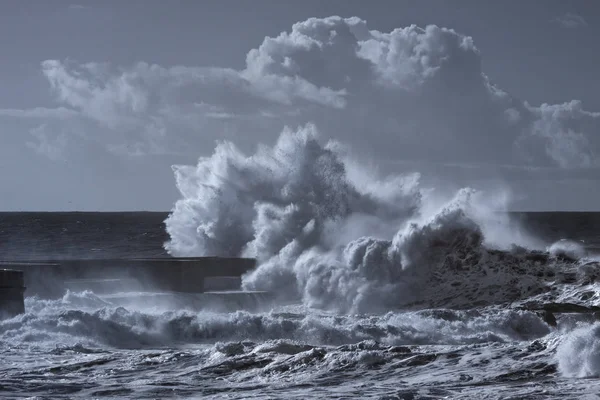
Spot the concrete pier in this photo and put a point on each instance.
(220, 301)
(11, 293)
(50, 278)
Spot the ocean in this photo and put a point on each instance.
(462, 338)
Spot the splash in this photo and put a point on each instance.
(579, 353)
(324, 229)
(568, 249)
(83, 319)
(235, 205)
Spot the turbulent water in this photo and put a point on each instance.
(383, 289)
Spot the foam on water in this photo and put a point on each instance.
(93, 352)
(578, 354)
(85, 318)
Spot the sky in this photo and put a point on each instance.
(100, 99)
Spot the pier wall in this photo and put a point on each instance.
(11, 293)
(50, 278)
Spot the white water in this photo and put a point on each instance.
(93, 321)
(84, 346)
(326, 230)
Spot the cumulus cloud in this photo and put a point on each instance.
(571, 21)
(410, 94)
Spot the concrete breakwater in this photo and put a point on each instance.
(11, 293)
(51, 278)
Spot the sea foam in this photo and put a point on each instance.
(579, 352)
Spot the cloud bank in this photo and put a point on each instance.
(412, 94)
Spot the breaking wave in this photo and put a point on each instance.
(87, 319)
(579, 353)
(335, 235)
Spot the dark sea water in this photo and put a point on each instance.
(479, 333)
(39, 235)
(61, 235)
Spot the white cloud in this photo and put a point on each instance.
(39, 112)
(48, 143)
(410, 94)
(90, 89)
(571, 20)
(566, 133)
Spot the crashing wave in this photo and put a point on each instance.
(567, 249)
(85, 320)
(328, 232)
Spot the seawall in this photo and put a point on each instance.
(50, 278)
(11, 293)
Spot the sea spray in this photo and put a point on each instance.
(578, 354)
(227, 196)
(568, 249)
(324, 230)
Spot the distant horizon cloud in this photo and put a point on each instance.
(49, 143)
(571, 21)
(77, 7)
